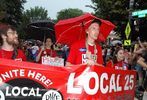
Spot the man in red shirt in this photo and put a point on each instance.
(9, 41)
(87, 51)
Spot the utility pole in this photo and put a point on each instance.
(127, 41)
(131, 3)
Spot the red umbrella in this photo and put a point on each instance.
(70, 30)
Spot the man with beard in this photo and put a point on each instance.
(9, 42)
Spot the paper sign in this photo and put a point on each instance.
(52, 61)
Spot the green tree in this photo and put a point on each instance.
(140, 5)
(34, 14)
(116, 11)
(11, 11)
(113, 10)
(68, 13)
(2, 9)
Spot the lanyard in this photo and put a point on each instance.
(89, 55)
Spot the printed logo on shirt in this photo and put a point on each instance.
(121, 68)
(84, 58)
(82, 49)
(117, 67)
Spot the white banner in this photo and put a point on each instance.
(52, 61)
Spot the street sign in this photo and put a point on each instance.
(127, 42)
(141, 13)
(127, 30)
(141, 16)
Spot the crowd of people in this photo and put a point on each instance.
(132, 58)
(36, 51)
(83, 52)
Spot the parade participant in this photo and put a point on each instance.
(118, 60)
(59, 49)
(46, 50)
(87, 51)
(34, 50)
(9, 39)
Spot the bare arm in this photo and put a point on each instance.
(99, 65)
(141, 45)
(138, 51)
(39, 54)
(69, 64)
(141, 62)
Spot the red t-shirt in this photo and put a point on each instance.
(121, 65)
(8, 55)
(109, 64)
(77, 53)
(47, 52)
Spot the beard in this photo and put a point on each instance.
(12, 41)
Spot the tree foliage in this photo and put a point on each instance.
(112, 9)
(68, 13)
(11, 11)
(34, 14)
(116, 11)
(140, 4)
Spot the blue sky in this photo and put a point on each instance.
(54, 6)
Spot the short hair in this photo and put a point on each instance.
(96, 21)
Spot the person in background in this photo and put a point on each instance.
(34, 50)
(139, 62)
(104, 53)
(59, 49)
(87, 51)
(29, 51)
(143, 59)
(119, 60)
(9, 37)
(46, 50)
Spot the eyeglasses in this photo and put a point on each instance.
(12, 32)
